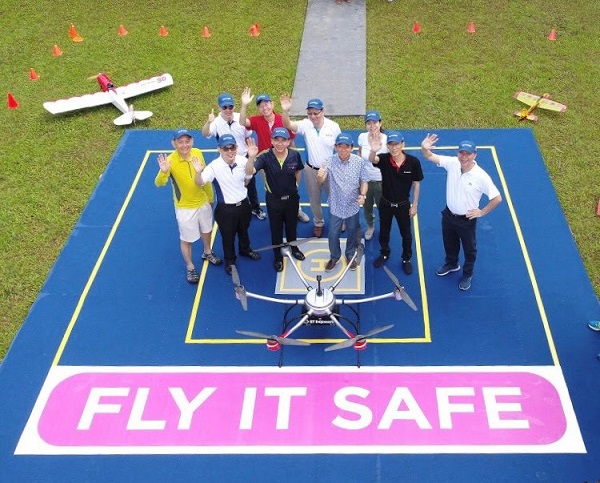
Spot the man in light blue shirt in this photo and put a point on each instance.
(348, 184)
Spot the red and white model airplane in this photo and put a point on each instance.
(115, 95)
(533, 101)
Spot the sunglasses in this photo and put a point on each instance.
(229, 148)
(226, 108)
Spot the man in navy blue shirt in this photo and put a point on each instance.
(282, 167)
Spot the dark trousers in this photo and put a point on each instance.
(457, 230)
(282, 214)
(234, 220)
(253, 194)
(401, 213)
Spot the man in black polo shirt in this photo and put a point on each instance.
(282, 167)
(399, 173)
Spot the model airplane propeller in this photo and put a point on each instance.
(319, 306)
(400, 292)
(116, 95)
(273, 338)
(294, 243)
(240, 291)
(533, 101)
(357, 339)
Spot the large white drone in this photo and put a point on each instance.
(319, 306)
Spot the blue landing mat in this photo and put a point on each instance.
(124, 371)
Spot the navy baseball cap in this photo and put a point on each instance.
(395, 137)
(263, 97)
(344, 138)
(226, 140)
(468, 146)
(181, 132)
(315, 104)
(225, 99)
(280, 132)
(372, 116)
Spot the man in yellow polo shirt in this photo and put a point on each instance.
(193, 203)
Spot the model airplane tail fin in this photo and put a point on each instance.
(132, 116)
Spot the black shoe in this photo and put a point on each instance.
(380, 261)
(330, 265)
(278, 265)
(465, 283)
(298, 255)
(407, 267)
(446, 268)
(228, 269)
(251, 254)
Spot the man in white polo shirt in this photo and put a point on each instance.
(319, 137)
(230, 173)
(228, 122)
(466, 182)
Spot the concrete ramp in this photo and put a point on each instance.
(332, 61)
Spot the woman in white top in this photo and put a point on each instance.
(373, 124)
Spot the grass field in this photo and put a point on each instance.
(441, 78)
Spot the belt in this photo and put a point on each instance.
(239, 203)
(279, 197)
(454, 214)
(311, 166)
(395, 205)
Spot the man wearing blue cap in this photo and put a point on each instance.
(319, 137)
(400, 173)
(465, 184)
(228, 122)
(193, 203)
(282, 167)
(230, 173)
(263, 124)
(347, 191)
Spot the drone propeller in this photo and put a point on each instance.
(360, 251)
(281, 340)
(294, 243)
(400, 289)
(357, 338)
(240, 290)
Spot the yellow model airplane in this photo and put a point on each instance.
(533, 101)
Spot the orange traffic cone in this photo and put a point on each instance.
(598, 209)
(12, 102)
(471, 28)
(552, 35)
(56, 52)
(254, 31)
(163, 31)
(33, 74)
(75, 37)
(122, 31)
(416, 28)
(205, 32)
(256, 27)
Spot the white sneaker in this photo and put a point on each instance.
(303, 217)
(369, 233)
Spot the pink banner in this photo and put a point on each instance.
(297, 409)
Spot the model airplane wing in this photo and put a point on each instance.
(103, 97)
(145, 86)
(552, 105)
(80, 102)
(526, 98)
